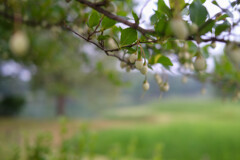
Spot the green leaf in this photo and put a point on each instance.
(222, 17)
(233, 4)
(162, 7)
(103, 37)
(131, 50)
(168, 30)
(192, 47)
(99, 67)
(203, 1)
(222, 27)
(165, 61)
(198, 13)
(107, 23)
(207, 27)
(147, 53)
(135, 17)
(93, 19)
(177, 4)
(155, 17)
(128, 36)
(215, 3)
(149, 66)
(169, 44)
(160, 27)
(204, 51)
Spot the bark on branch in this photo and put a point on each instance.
(115, 17)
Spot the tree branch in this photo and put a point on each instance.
(115, 17)
(31, 23)
(95, 30)
(94, 43)
(140, 16)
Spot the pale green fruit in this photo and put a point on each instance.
(234, 55)
(180, 54)
(139, 64)
(144, 69)
(184, 79)
(193, 28)
(111, 7)
(25, 17)
(200, 63)
(179, 28)
(191, 66)
(186, 55)
(133, 58)
(158, 79)
(44, 23)
(112, 43)
(238, 94)
(233, 52)
(213, 45)
(145, 86)
(186, 65)
(203, 91)
(19, 43)
(56, 29)
(123, 64)
(126, 57)
(128, 69)
(165, 87)
(80, 30)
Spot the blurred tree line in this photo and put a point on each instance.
(57, 61)
(43, 37)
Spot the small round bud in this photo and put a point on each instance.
(139, 64)
(213, 45)
(112, 43)
(165, 87)
(146, 85)
(55, 29)
(203, 91)
(186, 55)
(126, 57)
(128, 69)
(19, 43)
(144, 69)
(186, 65)
(133, 58)
(191, 67)
(44, 23)
(179, 28)
(123, 65)
(184, 79)
(25, 17)
(200, 63)
(111, 7)
(193, 28)
(238, 94)
(233, 52)
(181, 55)
(158, 79)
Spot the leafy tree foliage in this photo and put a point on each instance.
(180, 33)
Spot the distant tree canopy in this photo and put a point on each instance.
(41, 33)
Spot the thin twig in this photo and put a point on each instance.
(140, 16)
(95, 30)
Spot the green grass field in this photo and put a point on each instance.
(186, 130)
(176, 129)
